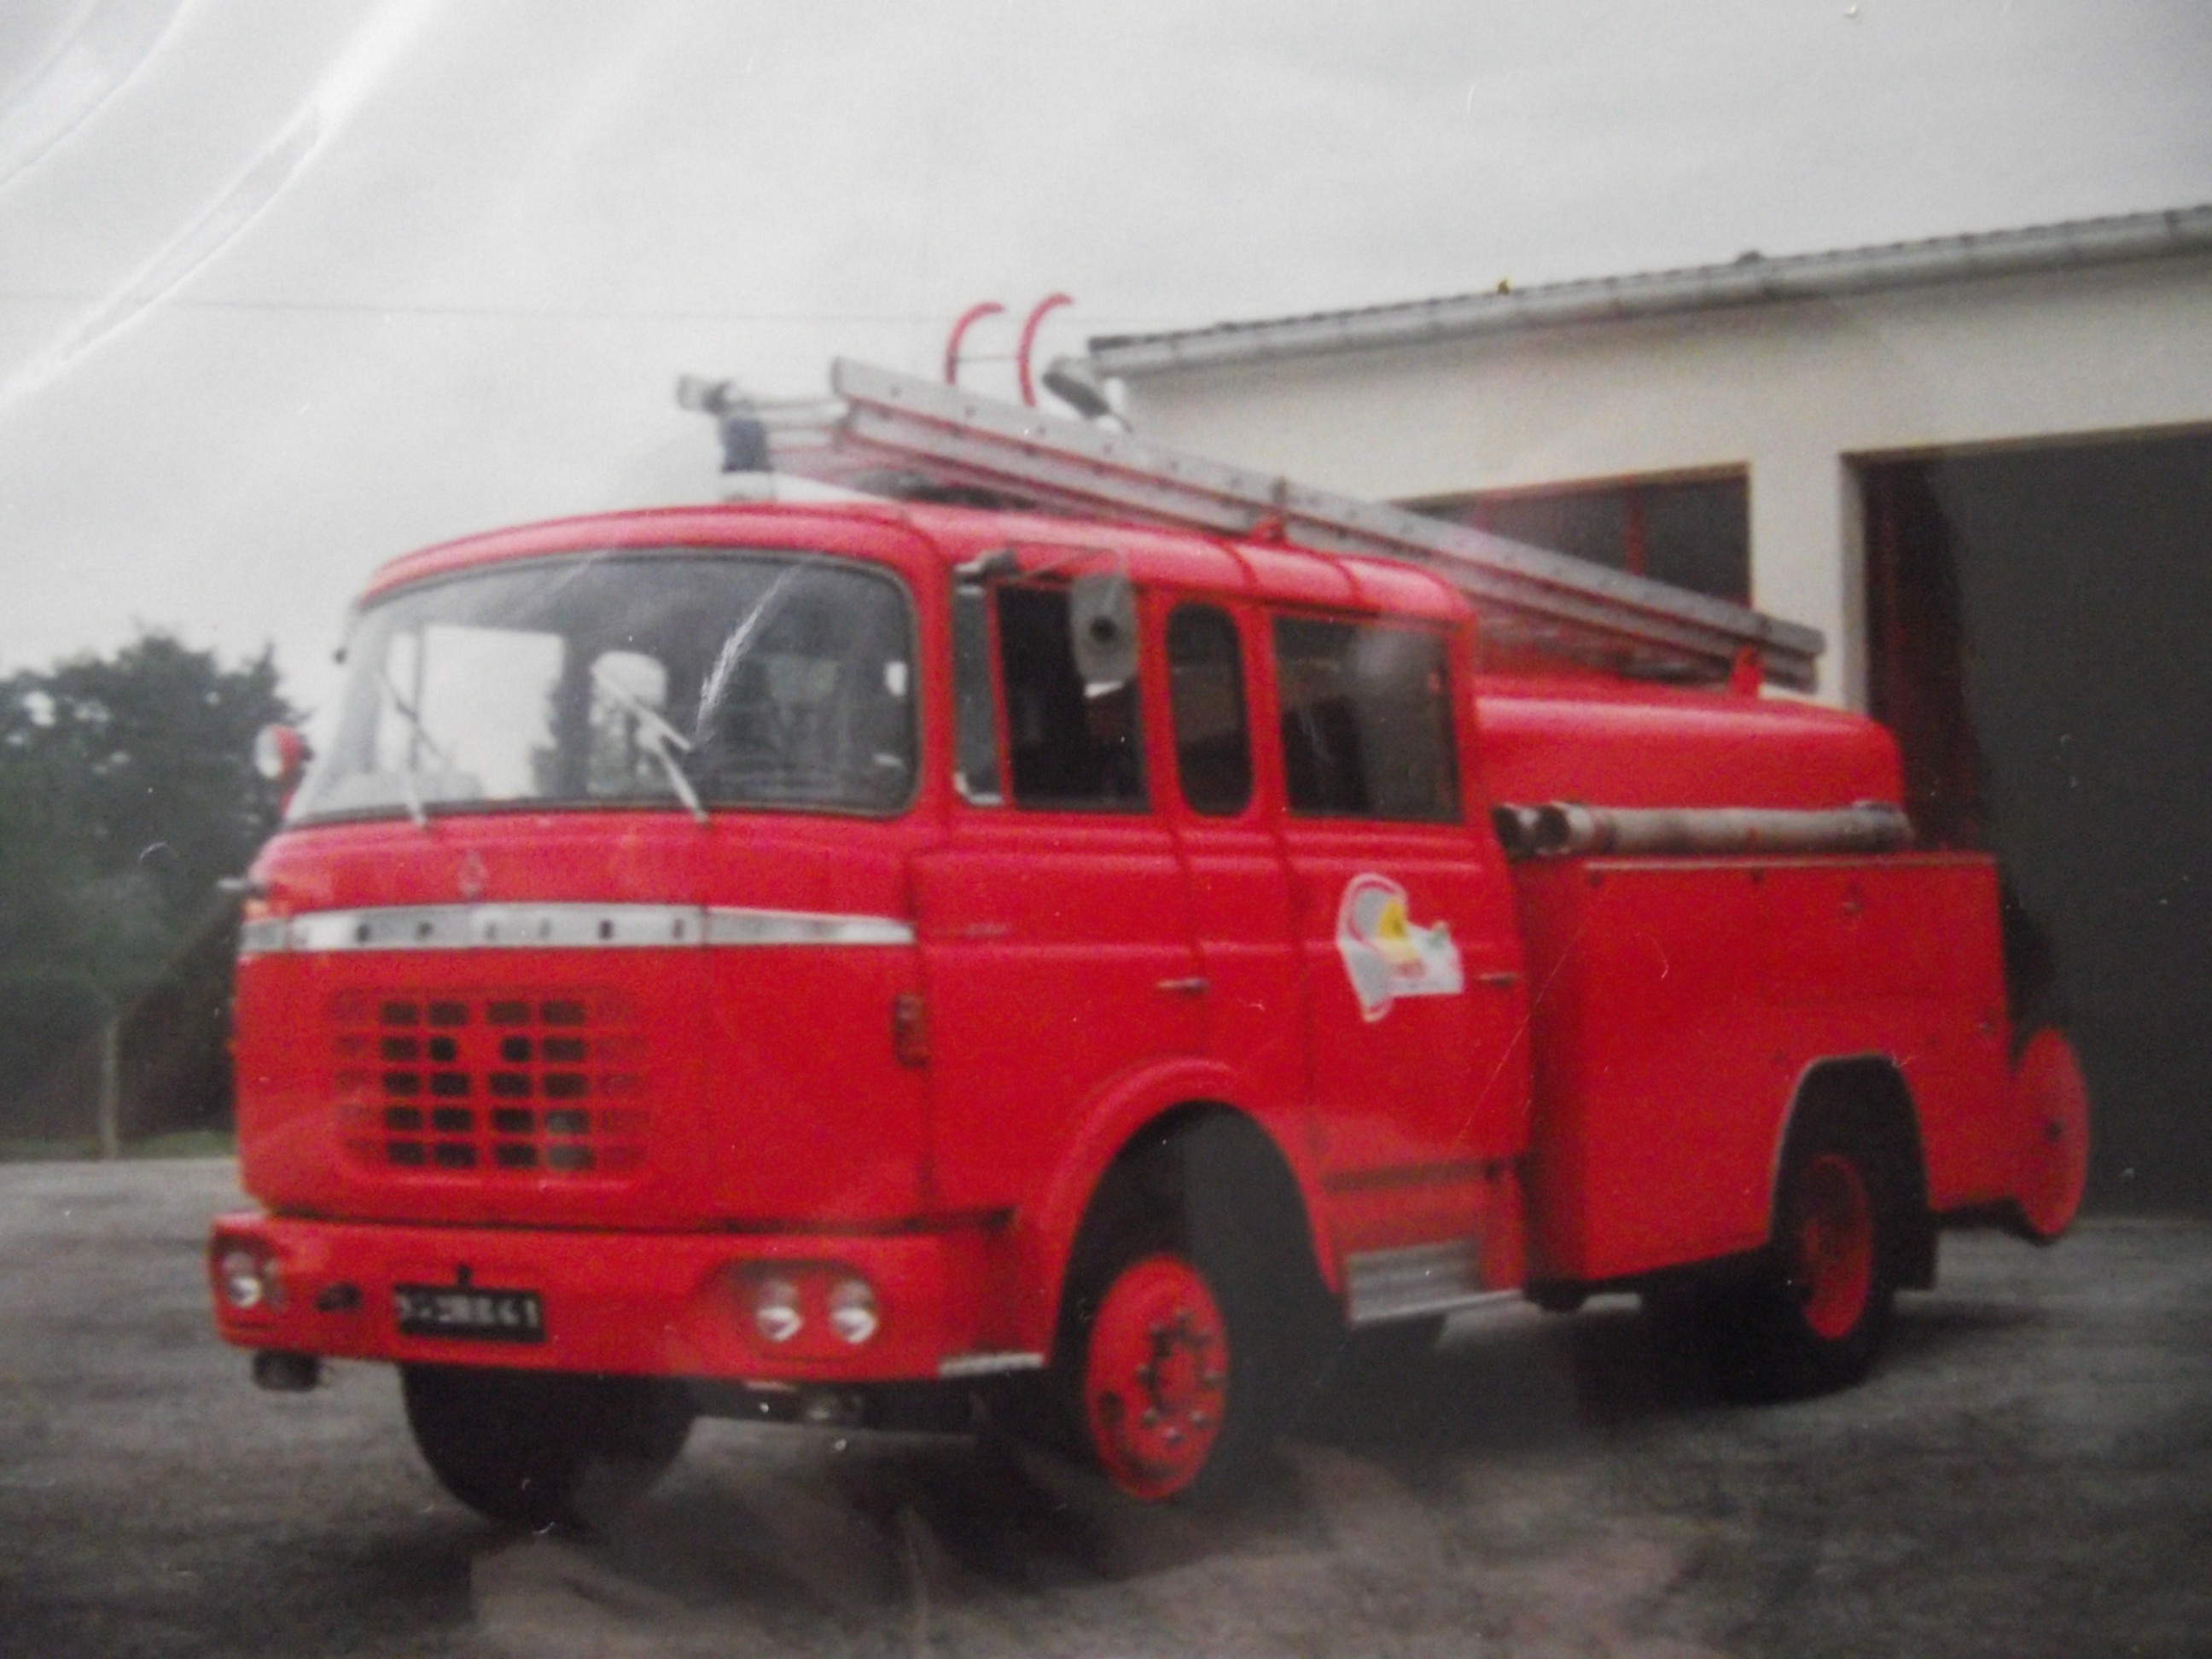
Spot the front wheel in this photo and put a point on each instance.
(1157, 1380)
(542, 1449)
(1815, 1312)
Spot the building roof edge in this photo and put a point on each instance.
(1751, 279)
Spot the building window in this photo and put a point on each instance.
(1693, 533)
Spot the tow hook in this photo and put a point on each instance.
(287, 1373)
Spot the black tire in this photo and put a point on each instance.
(1381, 1357)
(539, 1448)
(1813, 1313)
(1175, 1218)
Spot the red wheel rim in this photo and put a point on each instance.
(1156, 1378)
(1831, 1244)
(2052, 1104)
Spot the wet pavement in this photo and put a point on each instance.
(2029, 1472)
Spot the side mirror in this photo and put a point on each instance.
(281, 755)
(1101, 620)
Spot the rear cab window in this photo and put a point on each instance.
(1366, 722)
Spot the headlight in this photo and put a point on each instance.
(852, 1310)
(248, 1280)
(775, 1310)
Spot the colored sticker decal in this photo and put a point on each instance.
(1387, 955)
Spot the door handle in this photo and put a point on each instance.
(1504, 979)
(1184, 988)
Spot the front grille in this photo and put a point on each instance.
(539, 1083)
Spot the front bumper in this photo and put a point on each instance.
(678, 1304)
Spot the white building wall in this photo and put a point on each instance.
(1793, 392)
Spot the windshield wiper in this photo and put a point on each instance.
(663, 741)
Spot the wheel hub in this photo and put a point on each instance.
(1157, 1379)
(1831, 1245)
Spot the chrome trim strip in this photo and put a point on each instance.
(962, 1365)
(728, 925)
(261, 936)
(560, 928)
(1421, 1278)
(498, 926)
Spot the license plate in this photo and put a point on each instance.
(487, 1315)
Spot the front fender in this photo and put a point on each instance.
(1043, 1234)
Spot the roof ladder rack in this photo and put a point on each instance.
(905, 438)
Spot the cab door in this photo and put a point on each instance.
(1053, 918)
(1224, 810)
(1406, 931)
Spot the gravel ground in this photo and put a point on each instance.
(2030, 1472)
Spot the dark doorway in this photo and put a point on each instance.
(2040, 640)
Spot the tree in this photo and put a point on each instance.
(127, 791)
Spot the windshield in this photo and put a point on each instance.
(686, 678)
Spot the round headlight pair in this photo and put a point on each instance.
(851, 1307)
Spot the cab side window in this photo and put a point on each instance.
(1206, 689)
(1071, 745)
(1366, 715)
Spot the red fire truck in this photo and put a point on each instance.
(825, 960)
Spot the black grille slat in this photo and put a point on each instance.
(512, 1046)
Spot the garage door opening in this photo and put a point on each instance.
(2039, 639)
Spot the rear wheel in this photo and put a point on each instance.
(1814, 1311)
(541, 1448)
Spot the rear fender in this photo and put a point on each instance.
(1872, 1086)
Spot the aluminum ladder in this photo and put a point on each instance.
(897, 436)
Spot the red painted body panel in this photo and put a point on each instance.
(625, 1302)
(1679, 1003)
(1619, 744)
(1605, 1094)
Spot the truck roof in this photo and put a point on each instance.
(955, 535)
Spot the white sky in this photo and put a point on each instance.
(287, 288)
